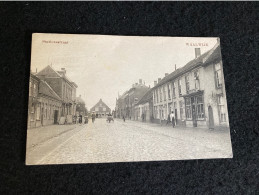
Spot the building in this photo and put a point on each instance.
(125, 104)
(44, 106)
(80, 106)
(144, 108)
(195, 92)
(100, 109)
(63, 87)
(33, 102)
(49, 106)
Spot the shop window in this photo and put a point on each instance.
(188, 109)
(221, 108)
(199, 107)
(218, 75)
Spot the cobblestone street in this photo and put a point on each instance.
(132, 141)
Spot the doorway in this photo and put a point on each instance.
(56, 117)
(211, 119)
(194, 119)
(41, 117)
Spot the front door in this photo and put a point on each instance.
(41, 117)
(55, 117)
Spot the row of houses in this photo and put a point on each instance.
(52, 98)
(195, 93)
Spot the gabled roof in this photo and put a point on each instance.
(148, 95)
(48, 70)
(203, 59)
(100, 101)
(45, 89)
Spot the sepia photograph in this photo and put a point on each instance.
(107, 98)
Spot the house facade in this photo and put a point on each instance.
(63, 87)
(100, 109)
(195, 93)
(144, 108)
(33, 113)
(125, 104)
(44, 106)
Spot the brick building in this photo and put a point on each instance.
(63, 87)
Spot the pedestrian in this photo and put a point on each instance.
(123, 118)
(172, 118)
(93, 117)
(86, 120)
(168, 119)
(80, 119)
(142, 116)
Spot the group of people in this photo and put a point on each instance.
(79, 119)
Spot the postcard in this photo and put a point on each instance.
(105, 98)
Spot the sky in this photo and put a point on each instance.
(104, 66)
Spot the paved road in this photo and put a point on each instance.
(136, 141)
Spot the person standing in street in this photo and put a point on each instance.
(172, 118)
(93, 117)
(168, 119)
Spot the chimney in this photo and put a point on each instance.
(155, 83)
(140, 81)
(166, 74)
(159, 79)
(63, 70)
(197, 52)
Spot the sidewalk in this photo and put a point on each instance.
(43, 140)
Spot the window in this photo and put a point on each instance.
(160, 90)
(96, 109)
(164, 93)
(187, 83)
(168, 91)
(180, 86)
(34, 90)
(101, 104)
(173, 89)
(199, 107)
(221, 108)
(154, 94)
(38, 112)
(188, 108)
(218, 75)
(181, 109)
(197, 80)
(104, 109)
(157, 95)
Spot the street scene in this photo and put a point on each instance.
(127, 141)
(90, 102)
